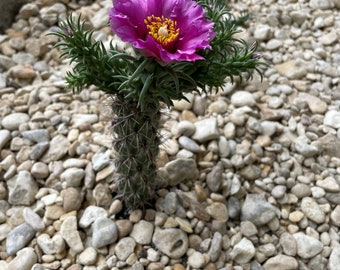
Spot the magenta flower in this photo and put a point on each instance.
(168, 30)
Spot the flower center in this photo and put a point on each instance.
(162, 29)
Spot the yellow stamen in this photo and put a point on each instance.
(163, 30)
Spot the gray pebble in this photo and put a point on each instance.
(37, 135)
(54, 245)
(332, 118)
(14, 120)
(274, 44)
(184, 153)
(189, 144)
(206, 130)
(58, 148)
(215, 247)
(180, 170)
(69, 231)
(90, 214)
(262, 32)
(215, 177)
(124, 248)
(307, 246)
(4, 230)
(301, 190)
(303, 147)
(334, 259)
(100, 161)
(316, 4)
(243, 251)
(73, 176)
(312, 210)
(5, 136)
(234, 207)
(281, 262)
(242, 98)
(105, 232)
(185, 128)
(100, 19)
(170, 203)
(22, 189)
(18, 238)
(279, 191)
(33, 219)
(288, 244)
(196, 260)
(88, 256)
(223, 147)
(142, 232)
(172, 242)
(335, 216)
(257, 210)
(38, 150)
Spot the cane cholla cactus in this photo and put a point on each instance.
(180, 46)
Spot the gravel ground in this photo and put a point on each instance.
(251, 174)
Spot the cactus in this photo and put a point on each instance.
(153, 75)
(136, 144)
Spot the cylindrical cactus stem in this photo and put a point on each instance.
(136, 143)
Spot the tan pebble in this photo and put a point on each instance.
(189, 116)
(217, 197)
(73, 135)
(54, 212)
(155, 266)
(208, 157)
(160, 218)
(57, 225)
(210, 266)
(296, 216)
(136, 215)
(48, 258)
(199, 211)
(293, 228)
(184, 225)
(75, 267)
(102, 194)
(264, 140)
(53, 265)
(218, 211)
(170, 223)
(6, 49)
(104, 173)
(115, 207)
(23, 72)
(72, 199)
(178, 266)
(200, 192)
(131, 259)
(162, 159)
(25, 166)
(150, 215)
(124, 227)
(40, 170)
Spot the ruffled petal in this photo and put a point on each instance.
(127, 19)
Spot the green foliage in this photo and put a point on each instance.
(230, 57)
(145, 80)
